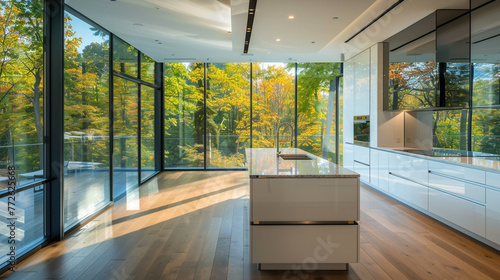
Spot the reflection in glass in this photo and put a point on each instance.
(486, 130)
(450, 129)
(228, 111)
(413, 75)
(273, 103)
(125, 57)
(147, 69)
(21, 121)
(21, 90)
(29, 224)
(316, 110)
(125, 128)
(86, 121)
(147, 132)
(184, 115)
(485, 54)
(453, 56)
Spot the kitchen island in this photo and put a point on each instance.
(303, 211)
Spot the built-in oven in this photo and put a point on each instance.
(362, 130)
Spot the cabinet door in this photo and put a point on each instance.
(298, 243)
(362, 154)
(304, 199)
(413, 168)
(493, 215)
(460, 172)
(411, 192)
(383, 171)
(458, 187)
(461, 212)
(363, 170)
(493, 179)
(348, 156)
(374, 167)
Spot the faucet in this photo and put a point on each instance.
(278, 137)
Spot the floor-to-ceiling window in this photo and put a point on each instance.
(228, 114)
(316, 108)
(244, 104)
(184, 115)
(273, 105)
(21, 127)
(147, 118)
(86, 120)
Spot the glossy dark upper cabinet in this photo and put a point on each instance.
(453, 56)
(485, 53)
(429, 63)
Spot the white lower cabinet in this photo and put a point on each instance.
(493, 215)
(413, 168)
(460, 172)
(363, 170)
(493, 179)
(304, 199)
(464, 213)
(348, 156)
(374, 167)
(411, 192)
(459, 187)
(383, 171)
(300, 244)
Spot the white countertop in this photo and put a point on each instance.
(263, 163)
(482, 163)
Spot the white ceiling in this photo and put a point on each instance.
(214, 30)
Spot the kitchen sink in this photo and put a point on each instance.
(295, 157)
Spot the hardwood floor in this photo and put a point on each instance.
(194, 225)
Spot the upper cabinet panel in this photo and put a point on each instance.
(485, 53)
(361, 64)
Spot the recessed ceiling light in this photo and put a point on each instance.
(291, 17)
(335, 17)
(278, 39)
(313, 42)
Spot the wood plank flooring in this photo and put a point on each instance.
(194, 225)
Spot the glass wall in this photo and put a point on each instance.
(86, 120)
(228, 114)
(273, 105)
(125, 58)
(125, 138)
(231, 128)
(147, 69)
(316, 108)
(184, 115)
(147, 131)
(21, 123)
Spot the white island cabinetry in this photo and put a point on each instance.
(302, 211)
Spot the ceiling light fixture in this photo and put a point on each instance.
(291, 17)
(335, 17)
(278, 39)
(251, 15)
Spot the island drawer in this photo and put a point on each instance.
(304, 243)
(304, 199)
